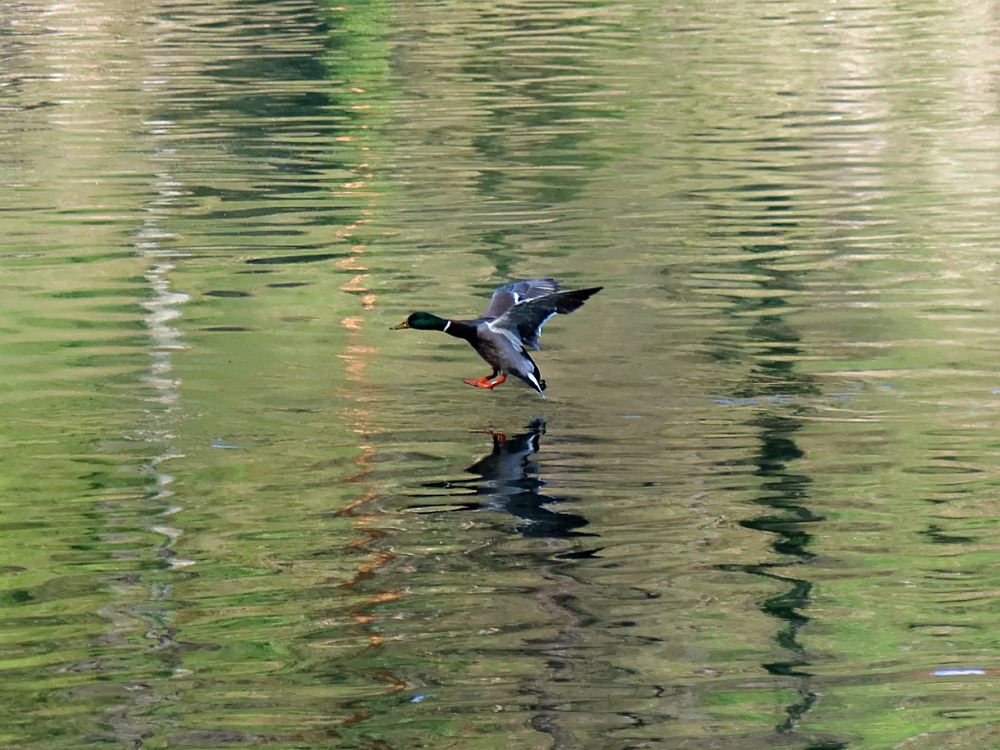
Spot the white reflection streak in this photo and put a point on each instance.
(162, 310)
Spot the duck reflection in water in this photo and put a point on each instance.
(507, 481)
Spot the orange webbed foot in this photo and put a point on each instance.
(486, 382)
(481, 383)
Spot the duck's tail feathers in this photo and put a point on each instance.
(533, 376)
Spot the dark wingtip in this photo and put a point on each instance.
(582, 294)
(570, 301)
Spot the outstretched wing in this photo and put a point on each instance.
(507, 296)
(525, 320)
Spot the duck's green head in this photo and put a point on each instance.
(422, 321)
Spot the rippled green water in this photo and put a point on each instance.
(758, 507)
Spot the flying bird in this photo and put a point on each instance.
(510, 326)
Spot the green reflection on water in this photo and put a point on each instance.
(238, 512)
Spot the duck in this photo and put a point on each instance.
(511, 324)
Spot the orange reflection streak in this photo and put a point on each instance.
(350, 263)
(358, 415)
(357, 717)
(397, 684)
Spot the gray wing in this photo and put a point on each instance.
(507, 296)
(524, 320)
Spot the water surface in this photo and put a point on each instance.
(756, 509)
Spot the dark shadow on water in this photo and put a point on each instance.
(784, 501)
(507, 481)
(770, 349)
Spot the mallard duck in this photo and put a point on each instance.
(511, 324)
